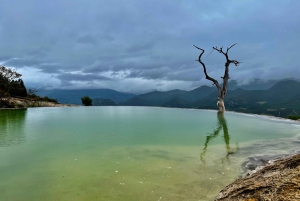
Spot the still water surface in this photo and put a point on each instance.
(128, 153)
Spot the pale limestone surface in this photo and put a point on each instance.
(279, 180)
(24, 103)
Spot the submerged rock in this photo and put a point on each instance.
(255, 163)
(277, 180)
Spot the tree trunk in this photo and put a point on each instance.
(220, 104)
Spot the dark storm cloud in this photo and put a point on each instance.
(183, 73)
(141, 41)
(159, 73)
(81, 77)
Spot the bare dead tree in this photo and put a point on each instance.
(222, 90)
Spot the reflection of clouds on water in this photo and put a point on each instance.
(221, 125)
(11, 127)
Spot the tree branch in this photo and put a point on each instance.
(9, 73)
(219, 50)
(204, 69)
(236, 63)
(226, 73)
(230, 47)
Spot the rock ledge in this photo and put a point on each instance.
(279, 180)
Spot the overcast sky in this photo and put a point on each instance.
(143, 45)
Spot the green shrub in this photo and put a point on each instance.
(87, 101)
(293, 117)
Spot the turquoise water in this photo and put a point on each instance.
(127, 153)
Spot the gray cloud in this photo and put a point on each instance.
(81, 77)
(22, 62)
(50, 68)
(39, 52)
(87, 39)
(148, 42)
(4, 58)
(140, 47)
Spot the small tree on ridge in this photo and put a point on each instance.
(87, 101)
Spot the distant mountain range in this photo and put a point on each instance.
(281, 99)
(169, 98)
(103, 102)
(74, 96)
(278, 98)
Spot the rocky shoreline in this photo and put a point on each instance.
(272, 180)
(16, 103)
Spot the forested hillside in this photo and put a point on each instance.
(282, 99)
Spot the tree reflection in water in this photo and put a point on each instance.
(222, 125)
(11, 127)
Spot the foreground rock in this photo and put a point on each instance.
(279, 180)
